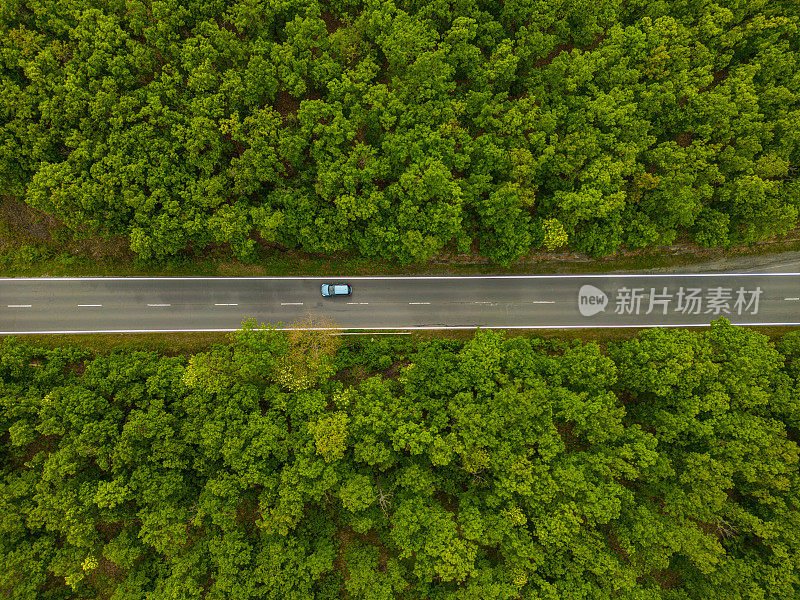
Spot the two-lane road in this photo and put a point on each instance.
(129, 304)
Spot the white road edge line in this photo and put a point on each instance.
(159, 305)
(226, 305)
(291, 304)
(19, 306)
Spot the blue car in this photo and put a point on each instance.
(336, 289)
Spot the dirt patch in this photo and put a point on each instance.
(112, 249)
(76, 368)
(613, 542)
(354, 374)
(247, 513)
(684, 139)
(667, 579)
(285, 104)
(24, 225)
(231, 269)
(107, 570)
(346, 536)
(571, 441)
(46, 443)
(28, 224)
(109, 530)
(332, 22)
(719, 76)
(395, 370)
(546, 60)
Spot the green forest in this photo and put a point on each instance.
(403, 129)
(295, 466)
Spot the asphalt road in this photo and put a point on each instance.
(105, 304)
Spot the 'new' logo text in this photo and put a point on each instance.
(591, 300)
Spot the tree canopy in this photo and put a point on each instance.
(403, 129)
(502, 467)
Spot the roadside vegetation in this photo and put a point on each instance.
(33, 244)
(294, 466)
(401, 130)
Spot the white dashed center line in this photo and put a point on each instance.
(419, 302)
(87, 305)
(792, 299)
(291, 304)
(358, 302)
(226, 305)
(159, 305)
(19, 306)
(543, 302)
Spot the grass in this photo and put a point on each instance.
(167, 344)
